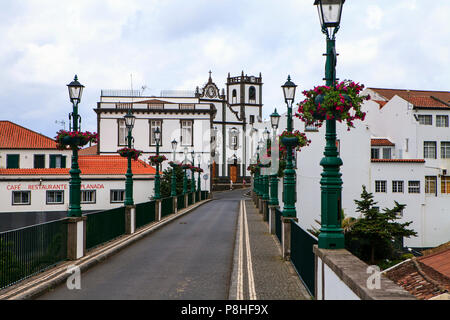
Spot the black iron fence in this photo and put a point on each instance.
(180, 202)
(30, 250)
(166, 206)
(302, 255)
(104, 226)
(145, 213)
(278, 216)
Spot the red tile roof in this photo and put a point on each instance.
(399, 160)
(439, 261)
(13, 136)
(381, 103)
(92, 165)
(426, 102)
(381, 142)
(390, 93)
(89, 151)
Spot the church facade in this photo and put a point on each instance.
(213, 125)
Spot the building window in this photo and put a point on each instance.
(429, 149)
(375, 153)
(252, 119)
(122, 133)
(425, 119)
(387, 153)
(12, 161)
(57, 161)
(430, 185)
(88, 196)
(117, 195)
(380, 186)
(252, 94)
(441, 121)
(187, 106)
(186, 133)
(397, 186)
(39, 161)
(55, 197)
(21, 197)
(445, 150)
(153, 125)
(445, 185)
(234, 96)
(413, 186)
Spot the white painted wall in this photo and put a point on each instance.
(26, 160)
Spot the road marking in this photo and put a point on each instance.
(251, 280)
(240, 282)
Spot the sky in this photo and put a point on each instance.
(172, 44)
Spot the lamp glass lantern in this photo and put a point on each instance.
(75, 90)
(289, 91)
(330, 12)
(157, 135)
(129, 120)
(275, 119)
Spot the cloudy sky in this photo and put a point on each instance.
(172, 44)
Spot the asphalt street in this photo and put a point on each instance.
(190, 258)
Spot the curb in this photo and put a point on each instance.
(36, 286)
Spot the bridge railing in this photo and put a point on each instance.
(167, 206)
(145, 213)
(104, 226)
(180, 202)
(27, 251)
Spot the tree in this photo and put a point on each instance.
(346, 224)
(166, 180)
(379, 229)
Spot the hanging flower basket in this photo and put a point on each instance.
(342, 103)
(124, 152)
(197, 169)
(253, 168)
(174, 164)
(74, 139)
(294, 139)
(186, 166)
(155, 160)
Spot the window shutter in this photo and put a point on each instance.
(12, 161)
(63, 161)
(52, 161)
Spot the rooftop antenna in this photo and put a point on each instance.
(61, 123)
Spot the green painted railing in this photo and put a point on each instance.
(166, 206)
(27, 251)
(278, 216)
(204, 195)
(302, 255)
(197, 196)
(190, 197)
(180, 202)
(104, 226)
(145, 213)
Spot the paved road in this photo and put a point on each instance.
(191, 258)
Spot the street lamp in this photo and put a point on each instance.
(129, 123)
(185, 176)
(289, 173)
(199, 158)
(266, 135)
(173, 191)
(157, 135)
(257, 174)
(275, 120)
(192, 172)
(331, 235)
(75, 93)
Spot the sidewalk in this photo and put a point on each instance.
(259, 272)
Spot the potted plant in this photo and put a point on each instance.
(74, 139)
(124, 152)
(174, 164)
(342, 103)
(295, 139)
(155, 160)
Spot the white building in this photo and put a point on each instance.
(34, 175)
(212, 123)
(400, 152)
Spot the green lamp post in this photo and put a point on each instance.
(185, 181)
(274, 119)
(266, 135)
(331, 235)
(289, 193)
(199, 158)
(157, 135)
(192, 172)
(173, 185)
(257, 174)
(129, 123)
(75, 93)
